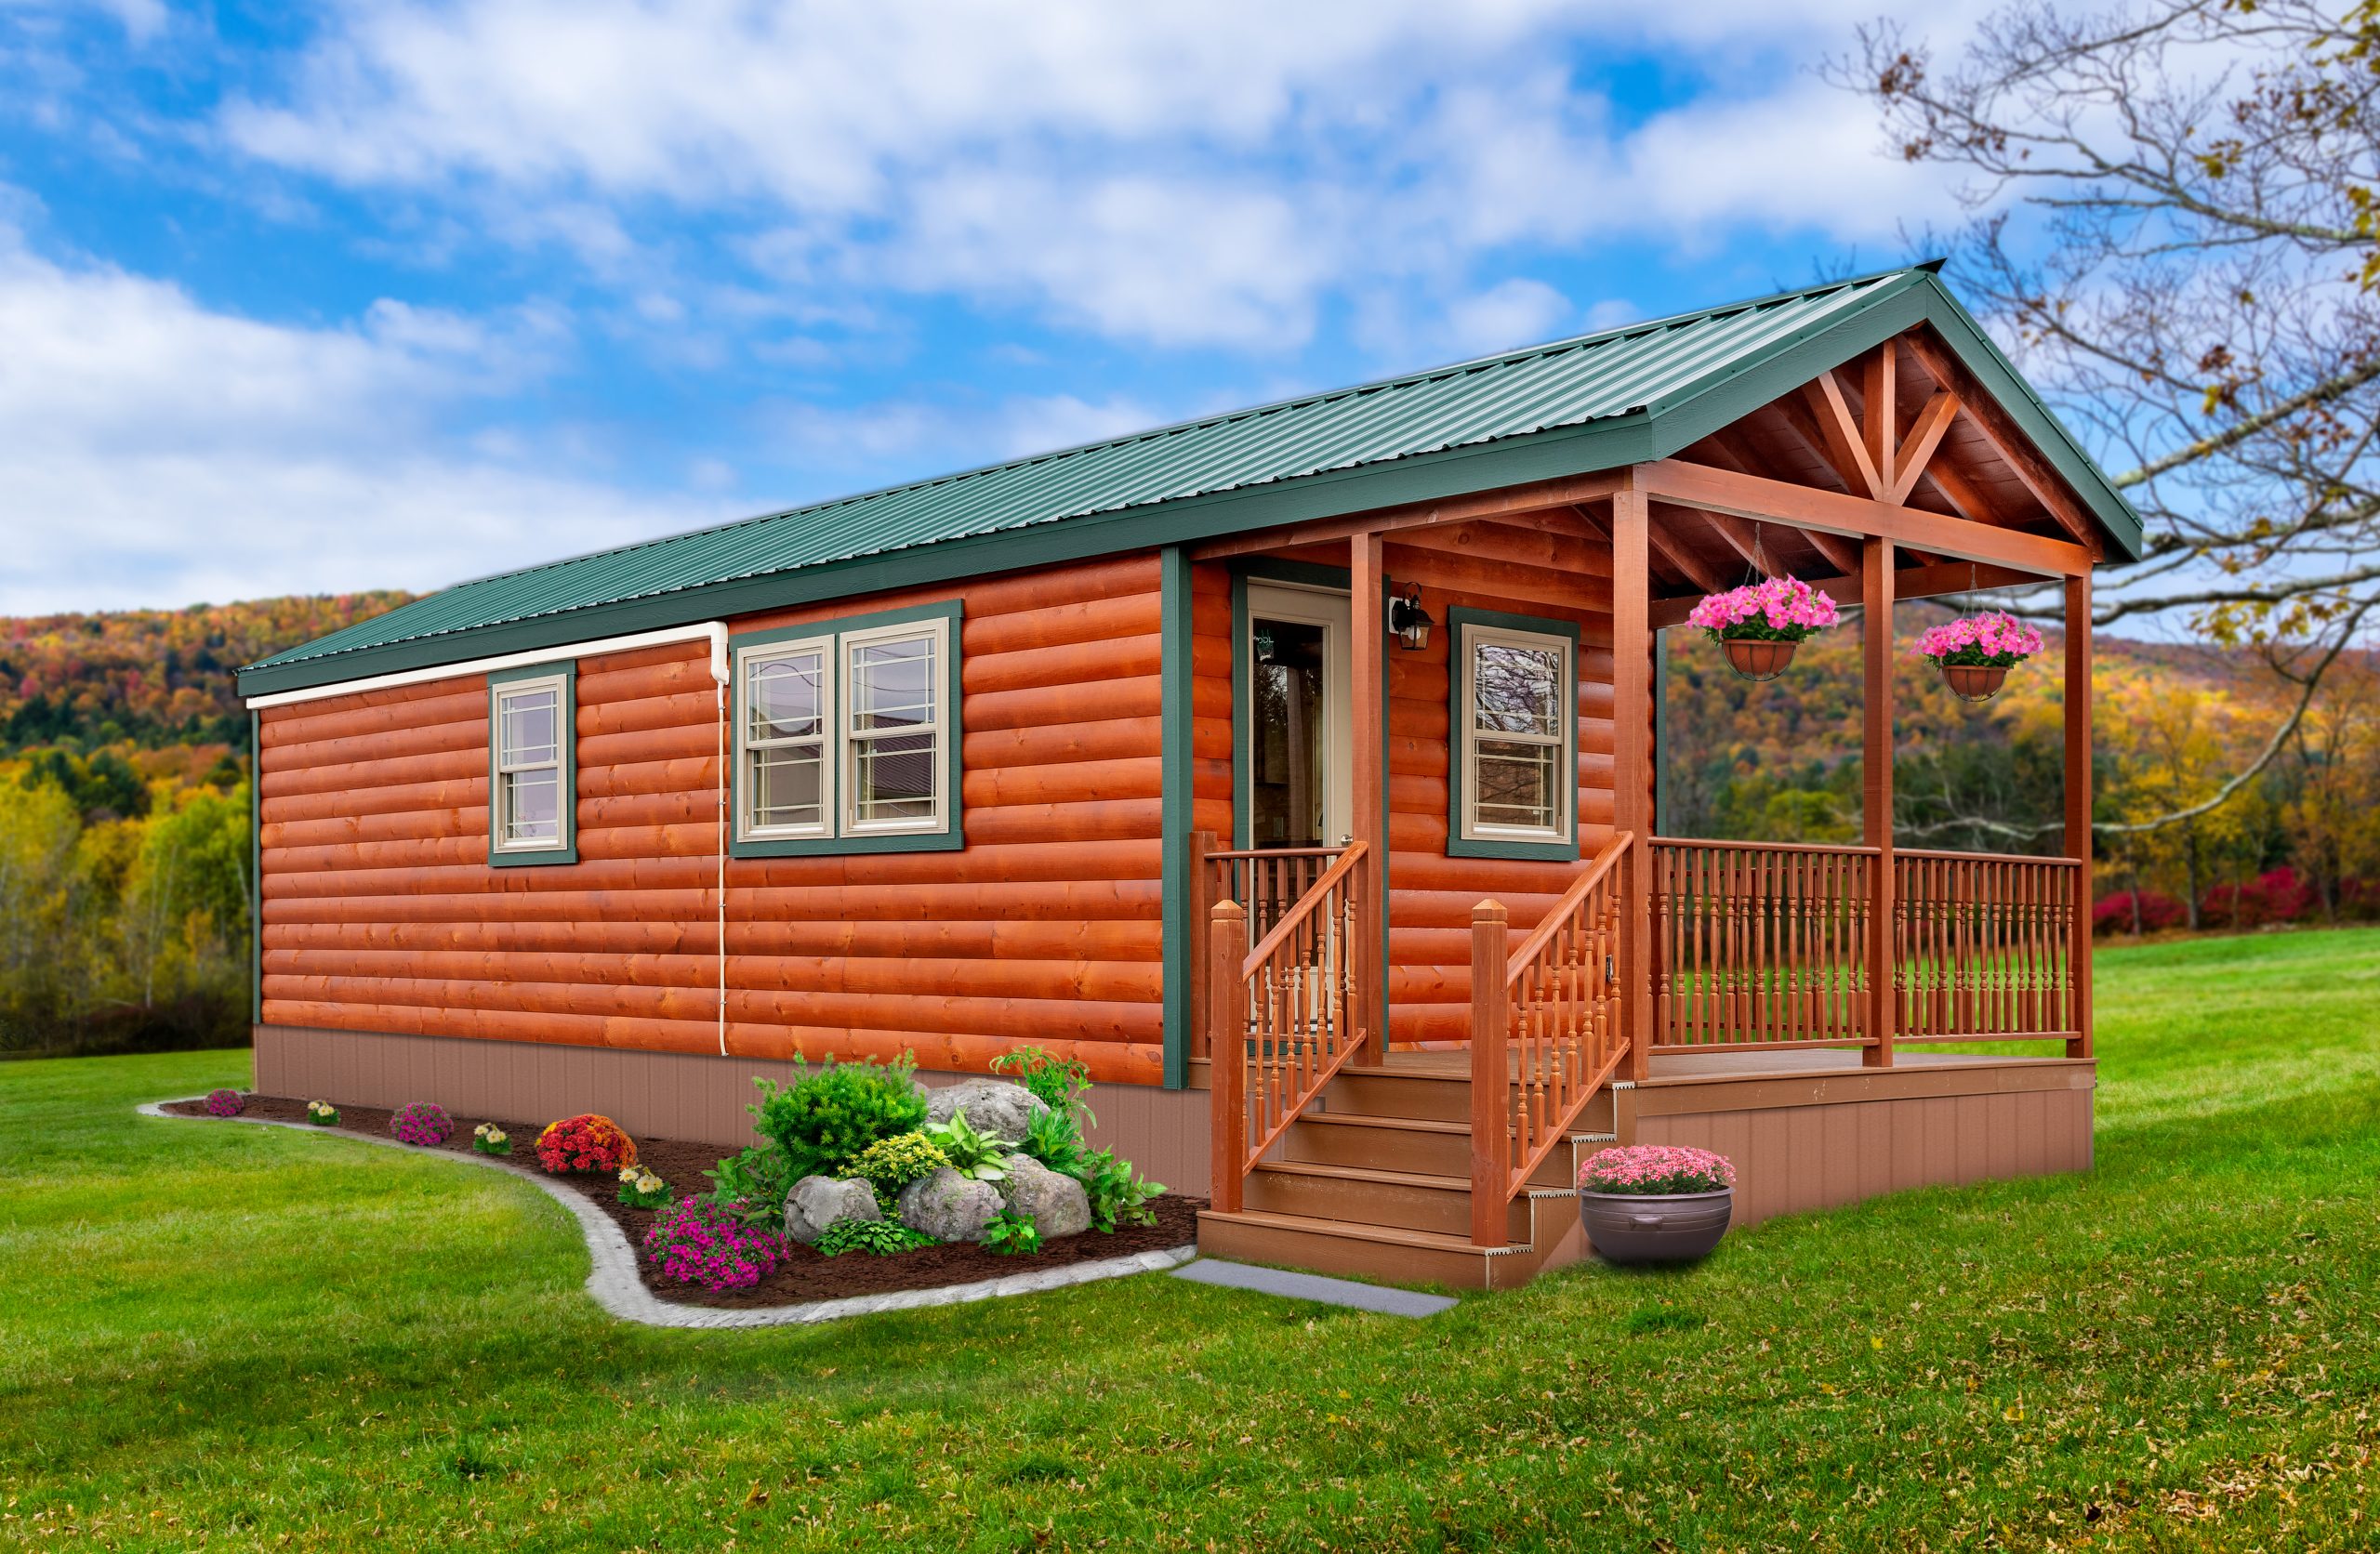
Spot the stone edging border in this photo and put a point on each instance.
(614, 1283)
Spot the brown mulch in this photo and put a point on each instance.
(804, 1274)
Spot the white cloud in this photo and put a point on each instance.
(1168, 173)
(154, 451)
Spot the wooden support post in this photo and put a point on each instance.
(1631, 760)
(1226, 1052)
(1369, 588)
(1491, 1138)
(1876, 786)
(1200, 900)
(2078, 803)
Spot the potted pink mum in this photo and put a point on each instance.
(1758, 625)
(1655, 1203)
(1975, 652)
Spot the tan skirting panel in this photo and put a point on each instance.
(669, 1095)
(1801, 1145)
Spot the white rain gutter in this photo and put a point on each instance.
(715, 632)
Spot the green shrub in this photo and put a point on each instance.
(1059, 1082)
(881, 1237)
(1055, 1140)
(752, 1185)
(889, 1164)
(1011, 1235)
(972, 1154)
(1118, 1195)
(827, 1118)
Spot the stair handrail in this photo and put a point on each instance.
(1567, 1052)
(1280, 1018)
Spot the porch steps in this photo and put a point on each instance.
(1375, 1181)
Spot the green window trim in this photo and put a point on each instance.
(836, 838)
(1462, 622)
(564, 848)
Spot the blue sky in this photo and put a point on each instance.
(299, 299)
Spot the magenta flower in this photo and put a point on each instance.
(1994, 640)
(696, 1242)
(1780, 609)
(1655, 1170)
(225, 1103)
(424, 1123)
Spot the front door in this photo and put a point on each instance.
(1301, 756)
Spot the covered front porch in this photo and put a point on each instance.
(1594, 979)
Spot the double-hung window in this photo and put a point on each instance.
(531, 778)
(847, 735)
(1513, 718)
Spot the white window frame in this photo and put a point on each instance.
(500, 801)
(829, 763)
(850, 740)
(1469, 637)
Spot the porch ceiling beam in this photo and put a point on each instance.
(1669, 548)
(1700, 485)
(1561, 549)
(1926, 434)
(1418, 515)
(1842, 556)
(1932, 582)
(2029, 469)
(1824, 417)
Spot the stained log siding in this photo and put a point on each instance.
(1430, 895)
(381, 913)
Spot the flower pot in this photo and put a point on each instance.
(1629, 1228)
(1758, 658)
(1974, 682)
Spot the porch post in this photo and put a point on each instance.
(2077, 802)
(1631, 774)
(1876, 785)
(1369, 590)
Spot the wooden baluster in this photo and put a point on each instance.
(1490, 1143)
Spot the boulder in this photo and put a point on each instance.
(818, 1202)
(993, 1106)
(949, 1207)
(1052, 1200)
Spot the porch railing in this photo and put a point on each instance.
(1282, 1016)
(1983, 947)
(1547, 1029)
(1265, 881)
(1760, 944)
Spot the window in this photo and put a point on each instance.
(531, 774)
(1513, 718)
(846, 736)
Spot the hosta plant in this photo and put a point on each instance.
(696, 1242)
(640, 1188)
(322, 1113)
(1656, 1170)
(589, 1143)
(424, 1123)
(225, 1103)
(881, 1237)
(488, 1138)
(972, 1154)
(1011, 1235)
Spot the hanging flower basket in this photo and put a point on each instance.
(1975, 652)
(1758, 625)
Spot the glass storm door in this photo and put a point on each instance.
(1301, 723)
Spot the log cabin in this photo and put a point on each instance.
(1294, 768)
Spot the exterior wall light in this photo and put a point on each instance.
(1407, 618)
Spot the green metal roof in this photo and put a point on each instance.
(1572, 407)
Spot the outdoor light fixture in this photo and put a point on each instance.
(1409, 619)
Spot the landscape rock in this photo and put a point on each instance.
(949, 1207)
(1052, 1200)
(993, 1106)
(817, 1202)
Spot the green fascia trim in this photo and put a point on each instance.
(567, 731)
(255, 868)
(1243, 719)
(952, 837)
(1458, 845)
(1179, 781)
(1552, 454)
(1680, 422)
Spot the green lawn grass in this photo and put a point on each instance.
(254, 1338)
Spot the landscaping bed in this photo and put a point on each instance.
(805, 1274)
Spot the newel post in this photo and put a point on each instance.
(1226, 1051)
(1492, 1146)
